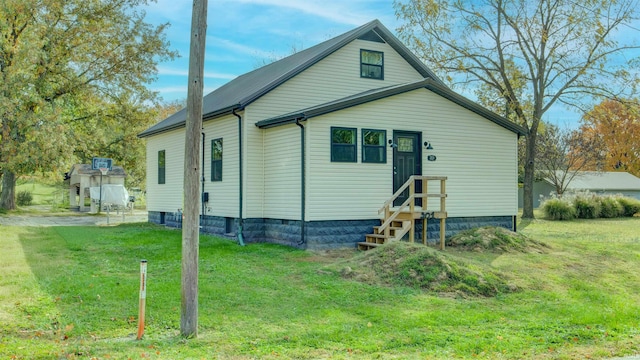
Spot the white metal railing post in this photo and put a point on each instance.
(143, 297)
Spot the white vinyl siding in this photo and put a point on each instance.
(223, 195)
(253, 163)
(282, 172)
(334, 77)
(168, 197)
(342, 191)
(477, 155)
(165, 197)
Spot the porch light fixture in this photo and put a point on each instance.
(391, 144)
(427, 145)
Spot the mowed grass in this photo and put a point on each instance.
(43, 194)
(72, 293)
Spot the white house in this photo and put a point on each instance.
(304, 151)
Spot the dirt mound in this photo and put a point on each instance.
(495, 239)
(418, 266)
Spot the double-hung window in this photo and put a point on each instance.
(216, 159)
(373, 148)
(372, 64)
(343, 144)
(161, 167)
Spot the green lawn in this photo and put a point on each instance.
(58, 196)
(43, 194)
(72, 292)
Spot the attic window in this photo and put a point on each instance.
(371, 64)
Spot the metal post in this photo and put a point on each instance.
(142, 297)
(100, 199)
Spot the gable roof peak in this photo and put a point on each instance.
(246, 88)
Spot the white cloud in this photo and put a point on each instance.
(175, 11)
(170, 89)
(178, 92)
(185, 72)
(239, 48)
(336, 11)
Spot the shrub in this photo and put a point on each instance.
(559, 209)
(24, 198)
(610, 207)
(631, 206)
(587, 207)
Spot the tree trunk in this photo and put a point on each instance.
(529, 172)
(8, 197)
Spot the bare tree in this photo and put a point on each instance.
(563, 154)
(531, 55)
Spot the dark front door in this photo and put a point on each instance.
(407, 161)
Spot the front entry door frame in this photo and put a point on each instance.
(407, 161)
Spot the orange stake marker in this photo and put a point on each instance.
(143, 297)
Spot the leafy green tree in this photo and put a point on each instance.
(63, 64)
(531, 54)
(108, 126)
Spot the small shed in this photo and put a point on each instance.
(82, 178)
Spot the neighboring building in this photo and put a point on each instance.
(82, 178)
(304, 151)
(604, 183)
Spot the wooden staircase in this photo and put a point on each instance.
(397, 222)
(397, 230)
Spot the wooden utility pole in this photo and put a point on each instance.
(191, 215)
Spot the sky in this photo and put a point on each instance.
(243, 35)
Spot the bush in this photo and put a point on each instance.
(610, 207)
(559, 209)
(587, 207)
(631, 206)
(24, 198)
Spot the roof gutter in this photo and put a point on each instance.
(303, 190)
(229, 110)
(205, 117)
(373, 95)
(240, 181)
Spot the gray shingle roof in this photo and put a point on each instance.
(375, 94)
(246, 88)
